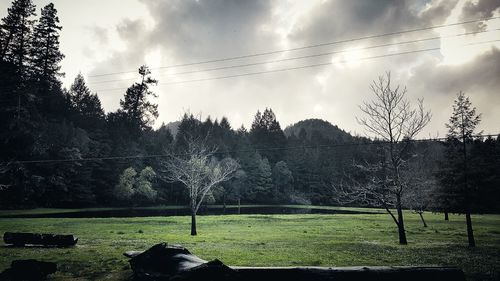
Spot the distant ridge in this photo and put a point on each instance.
(173, 127)
(313, 128)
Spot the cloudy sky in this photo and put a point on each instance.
(117, 36)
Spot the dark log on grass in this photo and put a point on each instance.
(38, 239)
(28, 270)
(372, 273)
(162, 262)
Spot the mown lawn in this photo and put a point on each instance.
(52, 211)
(265, 240)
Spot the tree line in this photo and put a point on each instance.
(310, 162)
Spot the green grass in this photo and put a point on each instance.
(265, 240)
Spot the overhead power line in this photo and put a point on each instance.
(308, 56)
(93, 159)
(305, 66)
(307, 47)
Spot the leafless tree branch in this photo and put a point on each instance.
(393, 119)
(198, 170)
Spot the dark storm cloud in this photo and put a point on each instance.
(186, 31)
(438, 12)
(347, 19)
(204, 29)
(192, 30)
(135, 35)
(478, 78)
(189, 31)
(481, 9)
(479, 75)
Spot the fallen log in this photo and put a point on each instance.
(372, 273)
(31, 270)
(163, 262)
(39, 239)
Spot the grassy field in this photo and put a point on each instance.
(265, 240)
(49, 211)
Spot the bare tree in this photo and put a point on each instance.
(419, 176)
(417, 199)
(199, 171)
(393, 121)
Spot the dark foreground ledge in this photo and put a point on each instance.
(28, 270)
(162, 262)
(384, 273)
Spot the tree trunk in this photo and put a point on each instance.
(19, 106)
(4, 48)
(193, 223)
(446, 216)
(470, 233)
(401, 224)
(224, 204)
(422, 218)
(239, 206)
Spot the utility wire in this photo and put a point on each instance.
(306, 47)
(91, 159)
(305, 66)
(298, 67)
(307, 56)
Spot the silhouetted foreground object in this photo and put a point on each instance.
(56, 240)
(162, 262)
(28, 270)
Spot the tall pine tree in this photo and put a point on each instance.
(85, 103)
(44, 53)
(139, 111)
(266, 133)
(455, 169)
(17, 29)
(15, 43)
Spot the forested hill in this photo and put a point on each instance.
(173, 127)
(317, 128)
